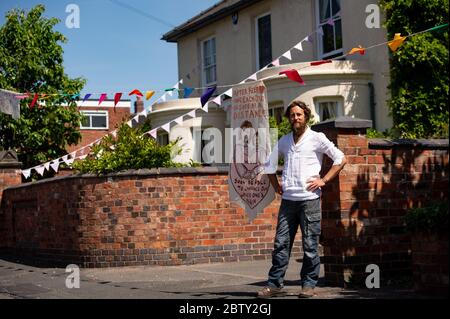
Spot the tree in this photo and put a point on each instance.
(31, 60)
(419, 68)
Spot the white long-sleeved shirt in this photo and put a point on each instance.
(302, 162)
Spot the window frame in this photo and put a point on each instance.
(94, 112)
(202, 57)
(332, 99)
(321, 54)
(160, 136)
(258, 67)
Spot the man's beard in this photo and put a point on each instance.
(298, 129)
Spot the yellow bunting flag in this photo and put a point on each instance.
(398, 40)
(356, 50)
(149, 94)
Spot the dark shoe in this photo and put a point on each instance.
(268, 292)
(307, 292)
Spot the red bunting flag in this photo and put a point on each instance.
(102, 98)
(293, 75)
(320, 62)
(33, 102)
(117, 97)
(136, 92)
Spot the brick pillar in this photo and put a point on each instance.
(343, 246)
(9, 170)
(138, 105)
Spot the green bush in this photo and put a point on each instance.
(427, 218)
(129, 150)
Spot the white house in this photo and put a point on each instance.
(232, 40)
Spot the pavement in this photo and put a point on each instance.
(237, 280)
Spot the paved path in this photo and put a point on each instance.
(238, 280)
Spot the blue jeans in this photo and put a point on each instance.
(307, 214)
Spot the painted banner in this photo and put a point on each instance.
(248, 186)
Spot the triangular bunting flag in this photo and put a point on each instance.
(130, 123)
(40, 170)
(356, 50)
(26, 173)
(229, 93)
(117, 97)
(153, 132)
(293, 75)
(102, 98)
(163, 98)
(218, 100)
(330, 21)
(149, 94)
(205, 97)
(136, 92)
(47, 166)
(191, 114)
(188, 91)
(288, 55)
(55, 165)
(86, 97)
(114, 133)
(82, 157)
(206, 107)
(252, 77)
(166, 127)
(320, 31)
(299, 46)
(276, 62)
(35, 98)
(398, 40)
(179, 120)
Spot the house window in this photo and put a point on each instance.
(330, 44)
(277, 112)
(94, 120)
(209, 61)
(328, 109)
(263, 41)
(163, 139)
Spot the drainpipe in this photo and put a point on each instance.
(372, 103)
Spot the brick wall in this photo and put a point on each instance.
(9, 171)
(137, 218)
(430, 261)
(363, 207)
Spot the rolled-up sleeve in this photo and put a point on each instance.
(327, 147)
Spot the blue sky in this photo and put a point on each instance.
(116, 49)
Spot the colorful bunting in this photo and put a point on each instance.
(293, 75)
(102, 98)
(330, 21)
(35, 98)
(359, 50)
(398, 40)
(117, 97)
(86, 97)
(135, 92)
(149, 94)
(205, 97)
(188, 91)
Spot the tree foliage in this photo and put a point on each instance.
(31, 60)
(419, 68)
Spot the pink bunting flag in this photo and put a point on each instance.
(218, 100)
(276, 62)
(293, 75)
(330, 21)
(102, 98)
